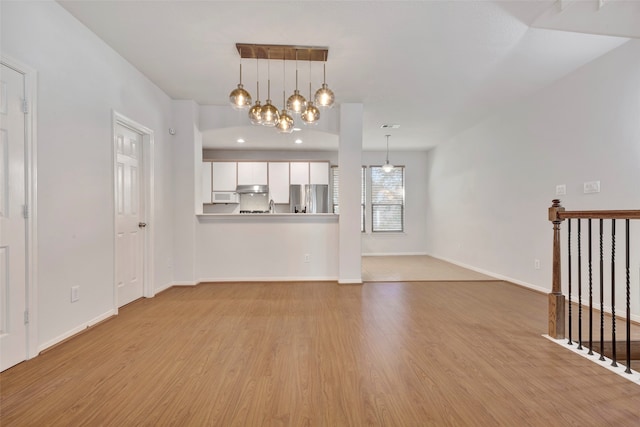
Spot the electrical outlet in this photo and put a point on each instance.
(536, 264)
(75, 293)
(591, 187)
(307, 258)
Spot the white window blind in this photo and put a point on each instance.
(335, 190)
(387, 199)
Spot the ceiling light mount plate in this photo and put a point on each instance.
(390, 126)
(283, 51)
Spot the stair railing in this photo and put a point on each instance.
(557, 300)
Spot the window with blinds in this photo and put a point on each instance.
(335, 190)
(387, 199)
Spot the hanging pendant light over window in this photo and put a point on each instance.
(269, 113)
(285, 123)
(311, 114)
(324, 96)
(239, 98)
(387, 167)
(254, 112)
(296, 102)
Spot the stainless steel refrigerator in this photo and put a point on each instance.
(309, 198)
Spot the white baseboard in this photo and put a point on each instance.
(181, 284)
(270, 279)
(395, 254)
(76, 330)
(492, 274)
(350, 282)
(606, 363)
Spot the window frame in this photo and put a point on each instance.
(374, 204)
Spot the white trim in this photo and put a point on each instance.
(271, 279)
(148, 154)
(492, 274)
(350, 282)
(31, 187)
(634, 376)
(182, 284)
(396, 254)
(76, 330)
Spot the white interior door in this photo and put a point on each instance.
(13, 333)
(129, 215)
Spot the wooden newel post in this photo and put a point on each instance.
(556, 299)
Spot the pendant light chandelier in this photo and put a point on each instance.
(255, 112)
(285, 124)
(296, 102)
(239, 98)
(324, 96)
(267, 114)
(311, 114)
(387, 167)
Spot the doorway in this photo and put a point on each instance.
(17, 214)
(133, 198)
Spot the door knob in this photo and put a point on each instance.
(142, 224)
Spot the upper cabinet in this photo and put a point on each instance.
(319, 173)
(299, 173)
(279, 181)
(224, 176)
(252, 173)
(309, 173)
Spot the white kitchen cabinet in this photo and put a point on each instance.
(250, 173)
(319, 173)
(223, 176)
(206, 182)
(299, 173)
(279, 181)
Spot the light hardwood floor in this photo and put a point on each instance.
(406, 268)
(320, 354)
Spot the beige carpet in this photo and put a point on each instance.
(414, 268)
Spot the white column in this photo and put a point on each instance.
(185, 146)
(349, 163)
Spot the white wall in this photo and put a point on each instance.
(489, 188)
(80, 81)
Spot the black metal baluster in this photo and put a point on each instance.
(628, 370)
(579, 286)
(569, 269)
(601, 294)
(613, 293)
(590, 293)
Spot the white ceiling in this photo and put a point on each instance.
(434, 68)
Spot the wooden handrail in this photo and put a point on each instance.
(630, 214)
(557, 214)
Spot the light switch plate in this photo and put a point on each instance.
(591, 187)
(561, 190)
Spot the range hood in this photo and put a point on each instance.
(255, 189)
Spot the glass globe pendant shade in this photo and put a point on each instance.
(239, 98)
(296, 102)
(311, 114)
(255, 114)
(269, 114)
(324, 96)
(387, 167)
(285, 123)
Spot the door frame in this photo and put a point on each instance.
(147, 189)
(31, 187)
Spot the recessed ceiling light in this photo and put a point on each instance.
(390, 126)
(298, 141)
(297, 129)
(240, 141)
